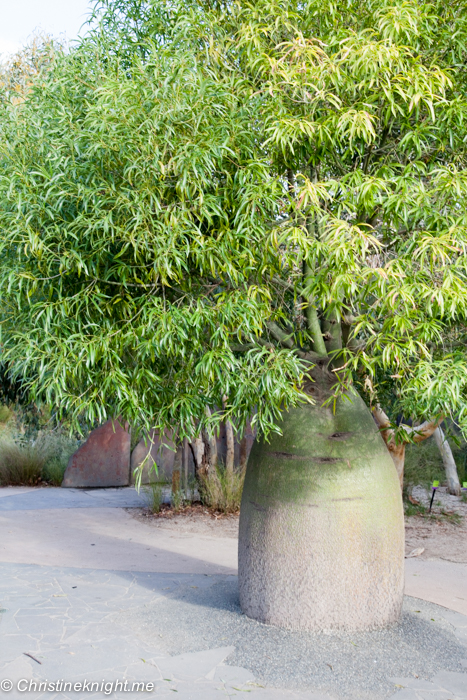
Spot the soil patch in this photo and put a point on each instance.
(443, 532)
(192, 520)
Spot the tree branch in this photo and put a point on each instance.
(423, 431)
(383, 423)
(281, 336)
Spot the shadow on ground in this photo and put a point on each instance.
(201, 615)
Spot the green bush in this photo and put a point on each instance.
(5, 414)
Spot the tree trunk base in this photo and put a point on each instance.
(321, 526)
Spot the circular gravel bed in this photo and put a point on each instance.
(353, 666)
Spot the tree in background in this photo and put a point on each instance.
(261, 204)
(19, 71)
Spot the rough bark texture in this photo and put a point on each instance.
(450, 466)
(321, 527)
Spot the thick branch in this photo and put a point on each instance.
(383, 423)
(332, 333)
(281, 336)
(314, 326)
(419, 433)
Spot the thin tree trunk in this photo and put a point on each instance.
(444, 447)
(211, 443)
(243, 454)
(229, 458)
(198, 453)
(185, 465)
(177, 469)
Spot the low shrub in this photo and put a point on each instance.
(154, 492)
(222, 490)
(20, 464)
(28, 463)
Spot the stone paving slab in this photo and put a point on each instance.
(89, 625)
(52, 498)
(94, 594)
(109, 538)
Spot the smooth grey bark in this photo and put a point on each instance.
(198, 453)
(211, 443)
(185, 464)
(444, 447)
(229, 436)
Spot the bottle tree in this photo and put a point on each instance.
(258, 207)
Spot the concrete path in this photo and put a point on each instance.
(90, 594)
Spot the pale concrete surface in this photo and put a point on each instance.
(75, 567)
(108, 538)
(102, 535)
(441, 582)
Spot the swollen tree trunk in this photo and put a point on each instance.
(454, 486)
(321, 543)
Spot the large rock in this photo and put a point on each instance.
(103, 460)
(150, 451)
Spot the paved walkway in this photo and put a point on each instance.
(90, 594)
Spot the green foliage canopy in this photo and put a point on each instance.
(202, 206)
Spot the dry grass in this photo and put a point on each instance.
(20, 464)
(222, 491)
(31, 463)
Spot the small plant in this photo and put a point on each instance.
(464, 497)
(20, 464)
(57, 448)
(154, 493)
(177, 499)
(222, 490)
(5, 414)
(54, 471)
(411, 508)
(451, 517)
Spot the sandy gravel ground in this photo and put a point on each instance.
(441, 533)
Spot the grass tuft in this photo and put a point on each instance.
(222, 491)
(20, 464)
(154, 493)
(31, 463)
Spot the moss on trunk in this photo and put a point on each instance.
(321, 526)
